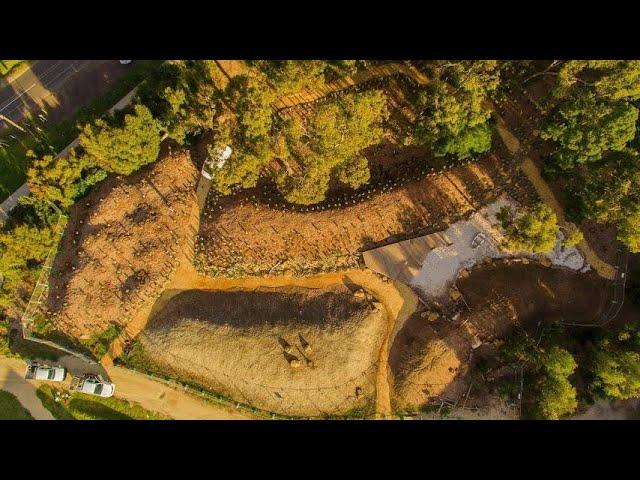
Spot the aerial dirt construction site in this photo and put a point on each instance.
(387, 298)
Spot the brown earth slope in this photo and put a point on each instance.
(432, 359)
(291, 350)
(121, 245)
(243, 235)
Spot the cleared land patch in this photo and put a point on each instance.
(293, 351)
(249, 234)
(121, 245)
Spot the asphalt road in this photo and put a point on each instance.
(34, 87)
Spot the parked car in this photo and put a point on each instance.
(35, 371)
(93, 385)
(125, 62)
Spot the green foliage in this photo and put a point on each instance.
(531, 229)
(183, 97)
(22, 249)
(551, 395)
(573, 237)
(609, 192)
(123, 149)
(556, 398)
(63, 180)
(471, 141)
(453, 103)
(614, 79)
(331, 143)
(616, 367)
(99, 344)
(290, 76)
(586, 127)
(11, 408)
(85, 407)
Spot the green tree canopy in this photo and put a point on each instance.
(331, 144)
(531, 229)
(123, 149)
(586, 127)
(62, 180)
(609, 192)
(290, 76)
(453, 103)
(617, 373)
(183, 97)
(613, 79)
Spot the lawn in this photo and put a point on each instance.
(53, 138)
(7, 65)
(11, 408)
(84, 407)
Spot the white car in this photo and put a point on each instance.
(125, 62)
(36, 371)
(93, 385)
(216, 161)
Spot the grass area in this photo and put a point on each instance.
(11, 408)
(6, 66)
(99, 344)
(84, 407)
(44, 139)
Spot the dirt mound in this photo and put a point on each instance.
(243, 235)
(433, 358)
(121, 244)
(293, 351)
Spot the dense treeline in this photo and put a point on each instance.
(563, 371)
(594, 128)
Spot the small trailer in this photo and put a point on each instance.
(93, 385)
(36, 371)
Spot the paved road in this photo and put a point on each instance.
(36, 86)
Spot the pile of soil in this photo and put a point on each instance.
(433, 359)
(242, 235)
(293, 351)
(121, 244)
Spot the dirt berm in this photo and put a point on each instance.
(293, 351)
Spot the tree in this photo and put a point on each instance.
(557, 397)
(453, 103)
(184, 97)
(548, 370)
(613, 79)
(289, 76)
(63, 180)
(609, 192)
(22, 249)
(471, 141)
(573, 236)
(531, 229)
(123, 149)
(586, 127)
(331, 144)
(617, 373)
